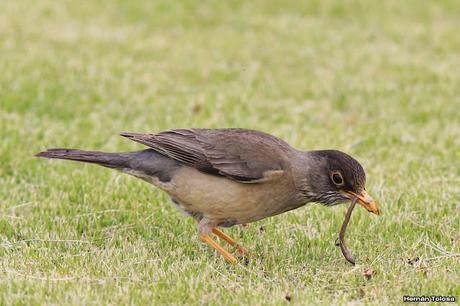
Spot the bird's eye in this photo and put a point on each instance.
(337, 178)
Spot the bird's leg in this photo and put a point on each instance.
(229, 257)
(204, 229)
(242, 250)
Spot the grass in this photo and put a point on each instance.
(378, 80)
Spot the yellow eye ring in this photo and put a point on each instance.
(337, 178)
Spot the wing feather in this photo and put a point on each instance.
(240, 154)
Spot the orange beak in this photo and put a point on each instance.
(366, 201)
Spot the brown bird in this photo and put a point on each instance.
(224, 177)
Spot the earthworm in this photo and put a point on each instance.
(343, 247)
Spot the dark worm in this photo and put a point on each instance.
(343, 247)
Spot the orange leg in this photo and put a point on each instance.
(229, 257)
(231, 241)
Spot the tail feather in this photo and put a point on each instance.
(111, 160)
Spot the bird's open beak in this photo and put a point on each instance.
(365, 200)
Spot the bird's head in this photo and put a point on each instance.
(336, 177)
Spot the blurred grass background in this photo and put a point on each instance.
(376, 79)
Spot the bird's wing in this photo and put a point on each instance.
(243, 155)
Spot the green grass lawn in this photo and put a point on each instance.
(380, 81)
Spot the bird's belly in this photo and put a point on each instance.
(228, 202)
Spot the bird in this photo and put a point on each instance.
(228, 176)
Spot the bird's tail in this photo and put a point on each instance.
(111, 160)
